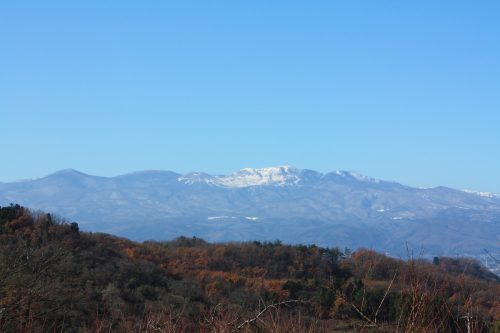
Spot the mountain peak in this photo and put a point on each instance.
(197, 178)
(357, 176)
(277, 175)
(272, 169)
(68, 172)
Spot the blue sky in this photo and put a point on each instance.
(399, 90)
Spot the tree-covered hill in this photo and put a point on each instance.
(55, 278)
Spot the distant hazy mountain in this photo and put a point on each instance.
(297, 206)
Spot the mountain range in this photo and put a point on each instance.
(339, 208)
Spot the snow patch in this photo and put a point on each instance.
(357, 176)
(483, 194)
(226, 217)
(279, 176)
(220, 217)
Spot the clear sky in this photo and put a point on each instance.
(399, 90)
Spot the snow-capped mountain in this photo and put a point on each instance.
(339, 208)
(276, 176)
(281, 175)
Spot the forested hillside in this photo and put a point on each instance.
(55, 278)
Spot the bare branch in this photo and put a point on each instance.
(252, 321)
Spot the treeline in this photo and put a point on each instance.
(55, 278)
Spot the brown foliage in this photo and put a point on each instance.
(55, 278)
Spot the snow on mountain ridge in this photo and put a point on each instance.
(276, 176)
(196, 178)
(357, 176)
(483, 194)
(280, 175)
